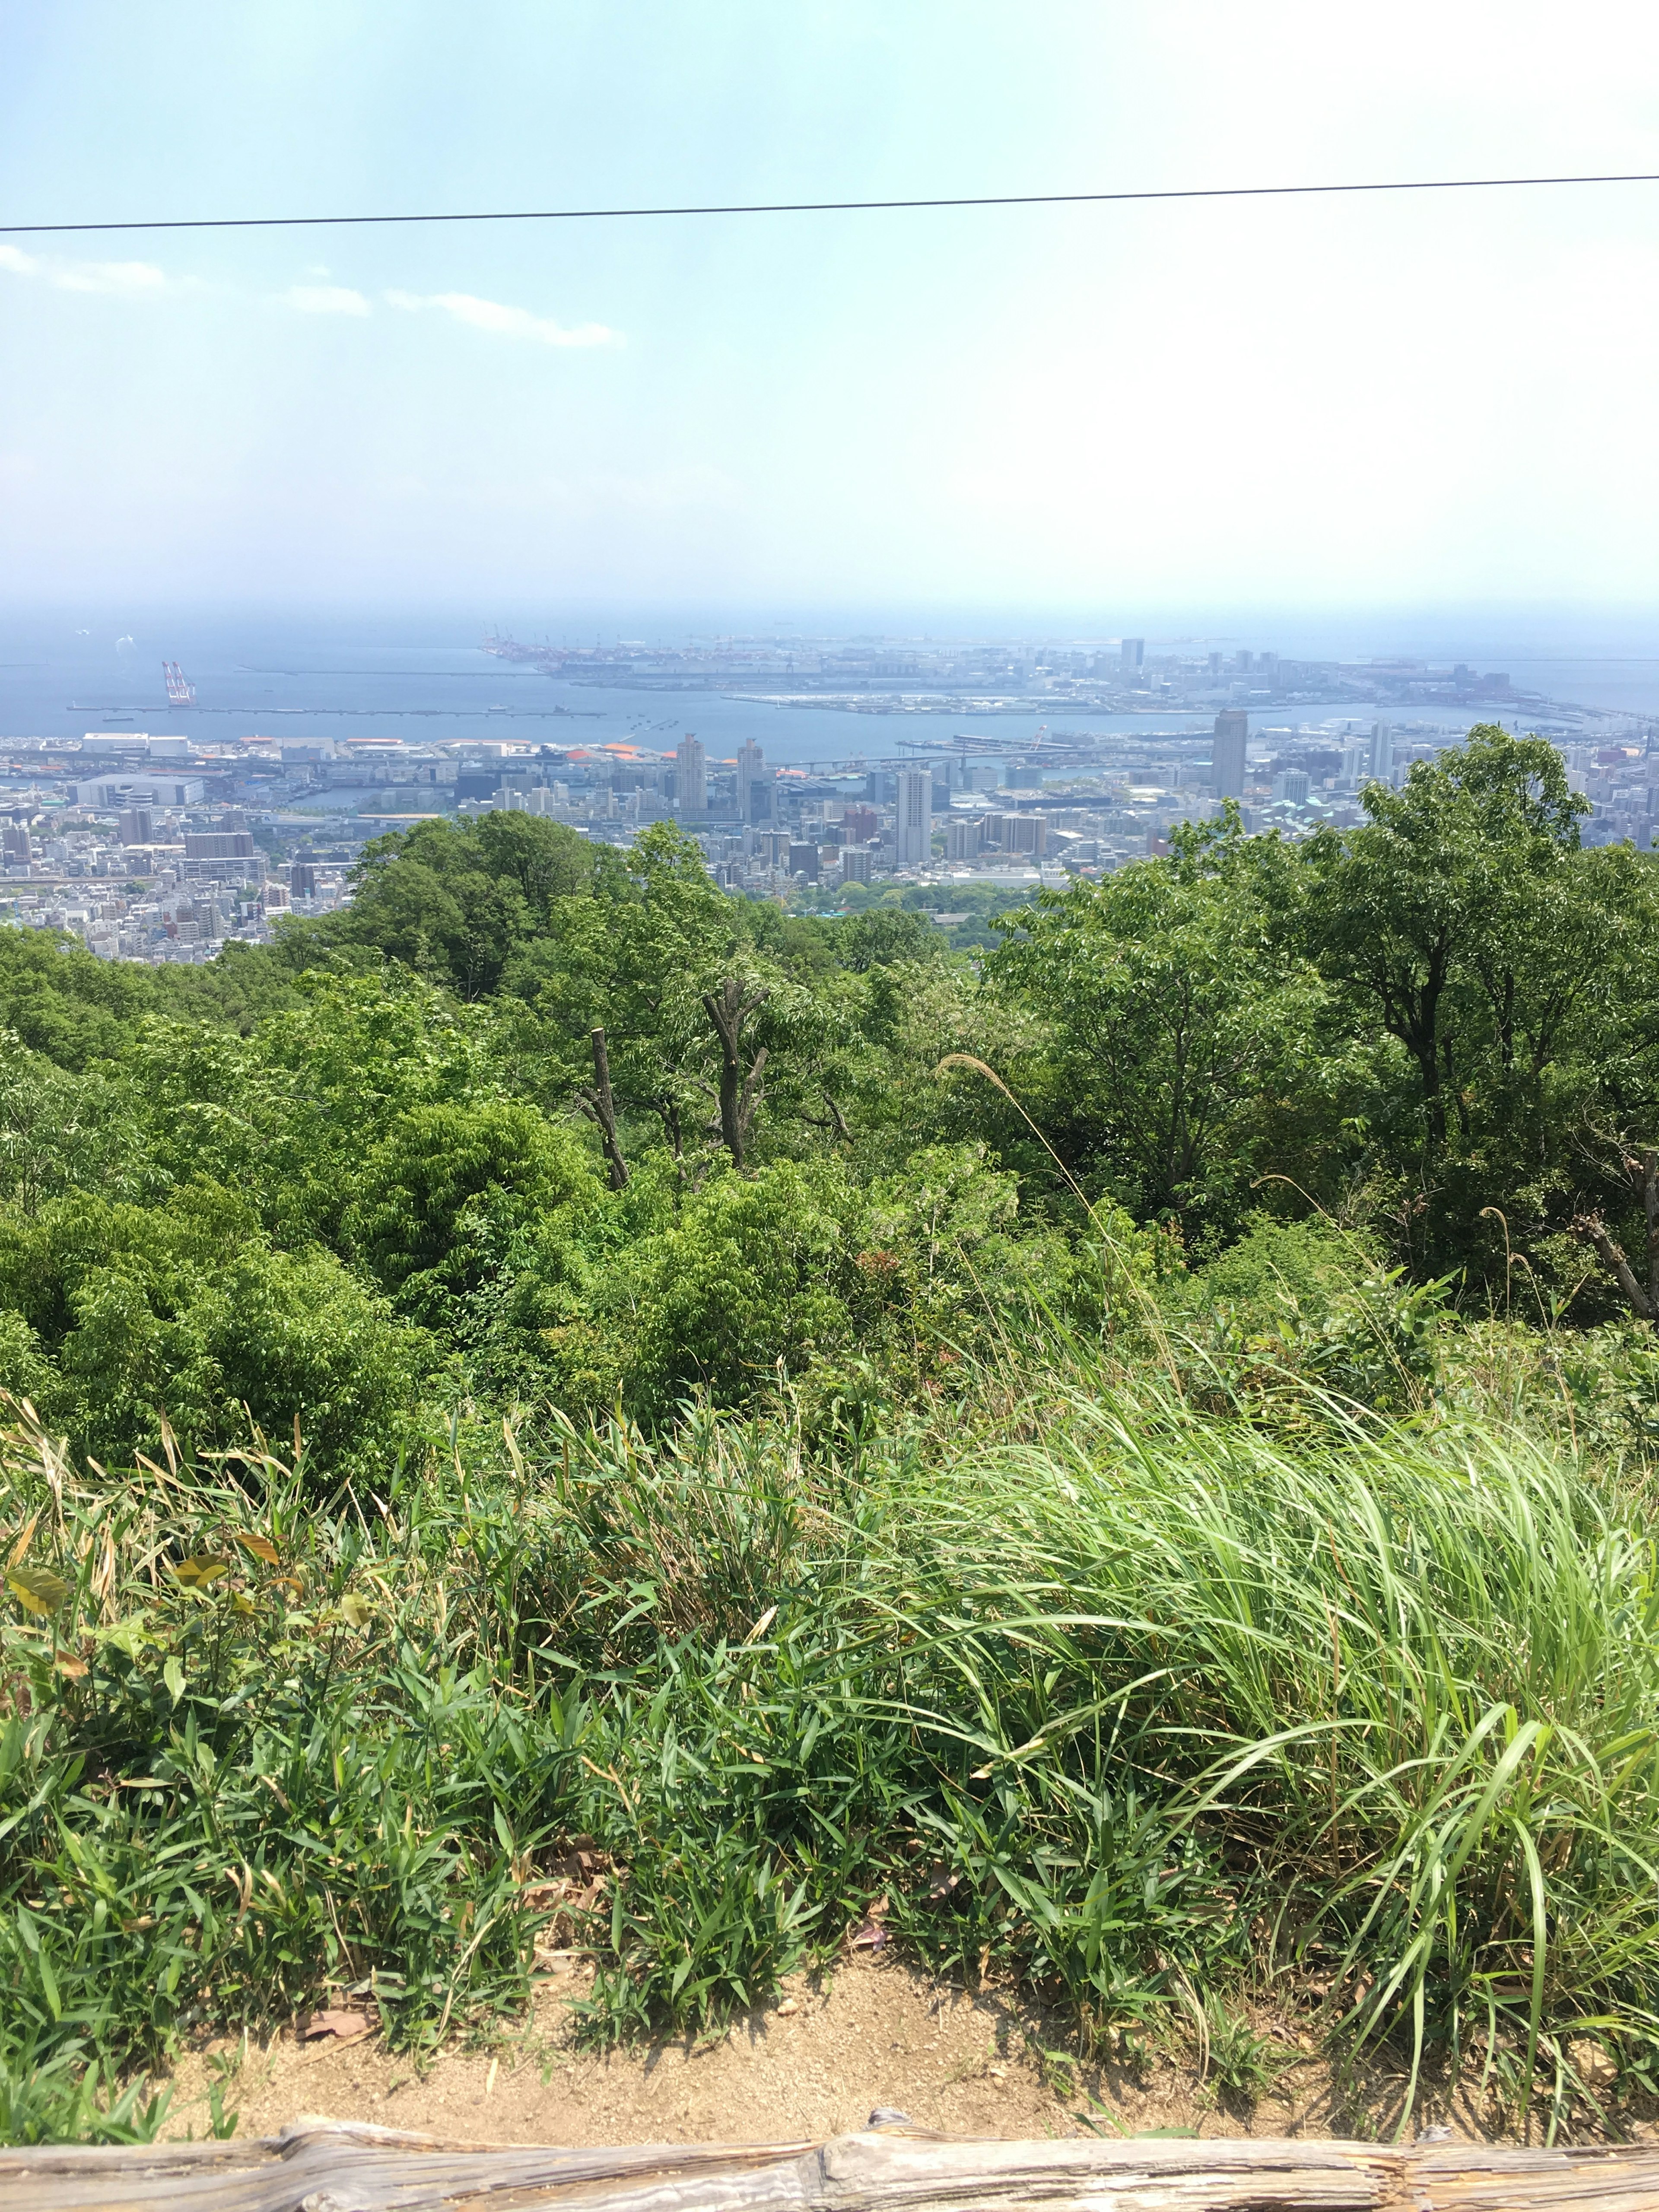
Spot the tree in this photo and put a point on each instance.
(1458, 884)
(61, 1002)
(1517, 972)
(454, 902)
(740, 1093)
(443, 1192)
(121, 1314)
(1178, 1020)
(636, 959)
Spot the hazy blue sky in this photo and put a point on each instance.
(1382, 401)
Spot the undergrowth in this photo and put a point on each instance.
(1152, 1708)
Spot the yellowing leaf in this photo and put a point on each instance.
(173, 1675)
(197, 1573)
(261, 1546)
(74, 1668)
(355, 1611)
(36, 1588)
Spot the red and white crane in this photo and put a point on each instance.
(180, 691)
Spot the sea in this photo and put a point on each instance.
(427, 678)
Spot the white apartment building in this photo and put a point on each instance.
(912, 819)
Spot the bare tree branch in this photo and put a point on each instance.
(835, 1120)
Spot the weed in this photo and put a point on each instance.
(1124, 1701)
(1241, 2066)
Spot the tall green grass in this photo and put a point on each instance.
(1401, 1694)
(1147, 1708)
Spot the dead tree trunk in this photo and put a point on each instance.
(1590, 1228)
(886, 2168)
(740, 1093)
(604, 1113)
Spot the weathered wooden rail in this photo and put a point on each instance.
(324, 2166)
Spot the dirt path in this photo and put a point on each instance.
(813, 2065)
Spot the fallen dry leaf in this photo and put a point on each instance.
(333, 2022)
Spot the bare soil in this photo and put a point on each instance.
(815, 2063)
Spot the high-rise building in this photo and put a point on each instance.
(1382, 752)
(1132, 651)
(1232, 736)
(1293, 784)
(855, 864)
(1025, 832)
(137, 826)
(752, 770)
(913, 819)
(964, 836)
(691, 778)
(17, 843)
(218, 845)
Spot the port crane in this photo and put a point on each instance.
(181, 692)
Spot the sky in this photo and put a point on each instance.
(1098, 411)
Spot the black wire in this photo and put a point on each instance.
(831, 207)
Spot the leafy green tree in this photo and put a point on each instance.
(288, 1113)
(120, 1315)
(1179, 1022)
(1462, 880)
(452, 902)
(636, 959)
(1515, 971)
(736, 1288)
(61, 1002)
(436, 1201)
(885, 934)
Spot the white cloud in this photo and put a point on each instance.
(122, 280)
(507, 322)
(125, 280)
(326, 300)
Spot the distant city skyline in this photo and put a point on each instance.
(1108, 413)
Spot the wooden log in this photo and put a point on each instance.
(325, 2165)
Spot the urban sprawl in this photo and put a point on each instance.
(163, 848)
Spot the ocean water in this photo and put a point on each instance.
(300, 680)
(421, 678)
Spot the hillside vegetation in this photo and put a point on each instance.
(1128, 1459)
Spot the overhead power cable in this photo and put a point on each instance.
(833, 207)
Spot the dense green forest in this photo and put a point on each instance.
(1153, 1409)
